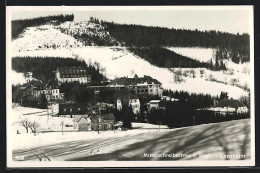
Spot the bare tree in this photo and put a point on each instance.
(62, 124)
(26, 123)
(193, 73)
(177, 76)
(34, 126)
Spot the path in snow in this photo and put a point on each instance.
(205, 142)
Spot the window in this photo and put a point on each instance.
(151, 90)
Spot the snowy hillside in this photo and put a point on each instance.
(197, 53)
(86, 31)
(52, 41)
(43, 37)
(123, 63)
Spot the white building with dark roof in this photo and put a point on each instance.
(72, 74)
(141, 85)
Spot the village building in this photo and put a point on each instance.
(82, 123)
(33, 88)
(102, 122)
(156, 104)
(227, 107)
(129, 100)
(72, 74)
(141, 85)
(53, 91)
(231, 105)
(72, 109)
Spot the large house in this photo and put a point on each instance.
(128, 100)
(231, 105)
(102, 122)
(72, 74)
(36, 88)
(141, 85)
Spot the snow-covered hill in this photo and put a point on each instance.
(86, 31)
(59, 41)
(123, 63)
(43, 37)
(197, 53)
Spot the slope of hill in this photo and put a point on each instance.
(43, 37)
(197, 53)
(123, 63)
(87, 32)
(63, 41)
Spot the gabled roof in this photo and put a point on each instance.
(108, 116)
(78, 118)
(105, 116)
(230, 103)
(73, 72)
(53, 84)
(134, 81)
(155, 101)
(37, 84)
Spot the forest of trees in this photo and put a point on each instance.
(43, 67)
(229, 46)
(19, 25)
(162, 57)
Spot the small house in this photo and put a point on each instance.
(82, 123)
(102, 122)
(155, 104)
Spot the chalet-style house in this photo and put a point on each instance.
(227, 107)
(129, 100)
(72, 74)
(35, 88)
(156, 104)
(231, 105)
(82, 123)
(141, 85)
(102, 122)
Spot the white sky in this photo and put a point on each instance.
(228, 19)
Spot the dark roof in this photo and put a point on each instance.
(129, 96)
(230, 103)
(105, 116)
(134, 81)
(108, 116)
(78, 118)
(53, 84)
(71, 72)
(37, 84)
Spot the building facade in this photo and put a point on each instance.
(72, 74)
(141, 85)
(102, 122)
(130, 101)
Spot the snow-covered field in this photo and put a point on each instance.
(204, 142)
(39, 116)
(197, 53)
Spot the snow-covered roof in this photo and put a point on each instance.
(155, 101)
